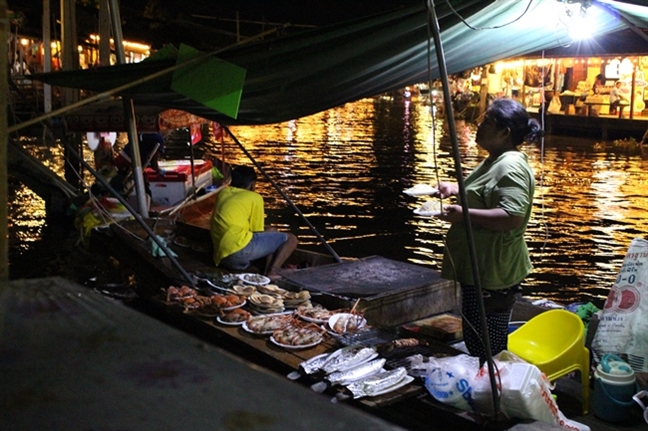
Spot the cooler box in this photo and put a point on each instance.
(174, 186)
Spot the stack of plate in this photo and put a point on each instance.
(272, 290)
(265, 304)
(295, 299)
(246, 291)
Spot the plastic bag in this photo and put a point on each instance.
(524, 390)
(450, 380)
(623, 325)
(554, 106)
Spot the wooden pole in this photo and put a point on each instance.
(4, 76)
(129, 112)
(443, 72)
(47, 55)
(104, 33)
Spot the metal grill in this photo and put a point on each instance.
(363, 278)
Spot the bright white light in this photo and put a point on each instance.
(580, 28)
(578, 20)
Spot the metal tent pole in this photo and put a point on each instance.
(443, 72)
(290, 202)
(129, 112)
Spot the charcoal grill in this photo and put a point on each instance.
(388, 292)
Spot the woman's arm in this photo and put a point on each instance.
(494, 219)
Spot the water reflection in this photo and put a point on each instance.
(346, 168)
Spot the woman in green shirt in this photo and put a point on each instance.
(500, 197)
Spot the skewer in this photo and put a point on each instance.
(354, 306)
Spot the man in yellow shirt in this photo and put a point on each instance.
(237, 228)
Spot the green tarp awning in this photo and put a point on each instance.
(318, 69)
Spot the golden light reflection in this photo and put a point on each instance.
(346, 170)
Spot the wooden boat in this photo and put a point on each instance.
(333, 284)
(388, 292)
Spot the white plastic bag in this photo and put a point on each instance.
(623, 325)
(525, 393)
(450, 380)
(554, 106)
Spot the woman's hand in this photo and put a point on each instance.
(446, 189)
(451, 213)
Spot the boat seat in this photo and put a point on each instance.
(554, 341)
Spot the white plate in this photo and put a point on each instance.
(427, 213)
(334, 318)
(235, 306)
(291, 347)
(219, 320)
(312, 320)
(420, 190)
(254, 279)
(405, 381)
(247, 329)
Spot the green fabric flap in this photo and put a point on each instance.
(213, 82)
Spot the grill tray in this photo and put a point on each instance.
(368, 277)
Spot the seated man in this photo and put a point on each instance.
(615, 98)
(151, 145)
(237, 228)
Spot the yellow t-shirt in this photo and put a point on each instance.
(237, 214)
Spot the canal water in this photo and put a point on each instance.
(346, 168)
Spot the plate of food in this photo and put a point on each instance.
(344, 323)
(427, 213)
(294, 347)
(233, 317)
(243, 290)
(428, 209)
(254, 279)
(267, 324)
(314, 313)
(421, 190)
(235, 306)
(296, 338)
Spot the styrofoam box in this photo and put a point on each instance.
(174, 186)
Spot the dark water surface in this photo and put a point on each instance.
(346, 169)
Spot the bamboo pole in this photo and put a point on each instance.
(108, 93)
(4, 77)
(283, 194)
(129, 113)
(443, 72)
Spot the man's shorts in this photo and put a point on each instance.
(261, 245)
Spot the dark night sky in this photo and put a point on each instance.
(210, 21)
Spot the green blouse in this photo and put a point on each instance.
(502, 256)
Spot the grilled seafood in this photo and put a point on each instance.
(236, 315)
(268, 323)
(256, 279)
(314, 312)
(174, 293)
(346, 322)
(298, 336)
(401, 343)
